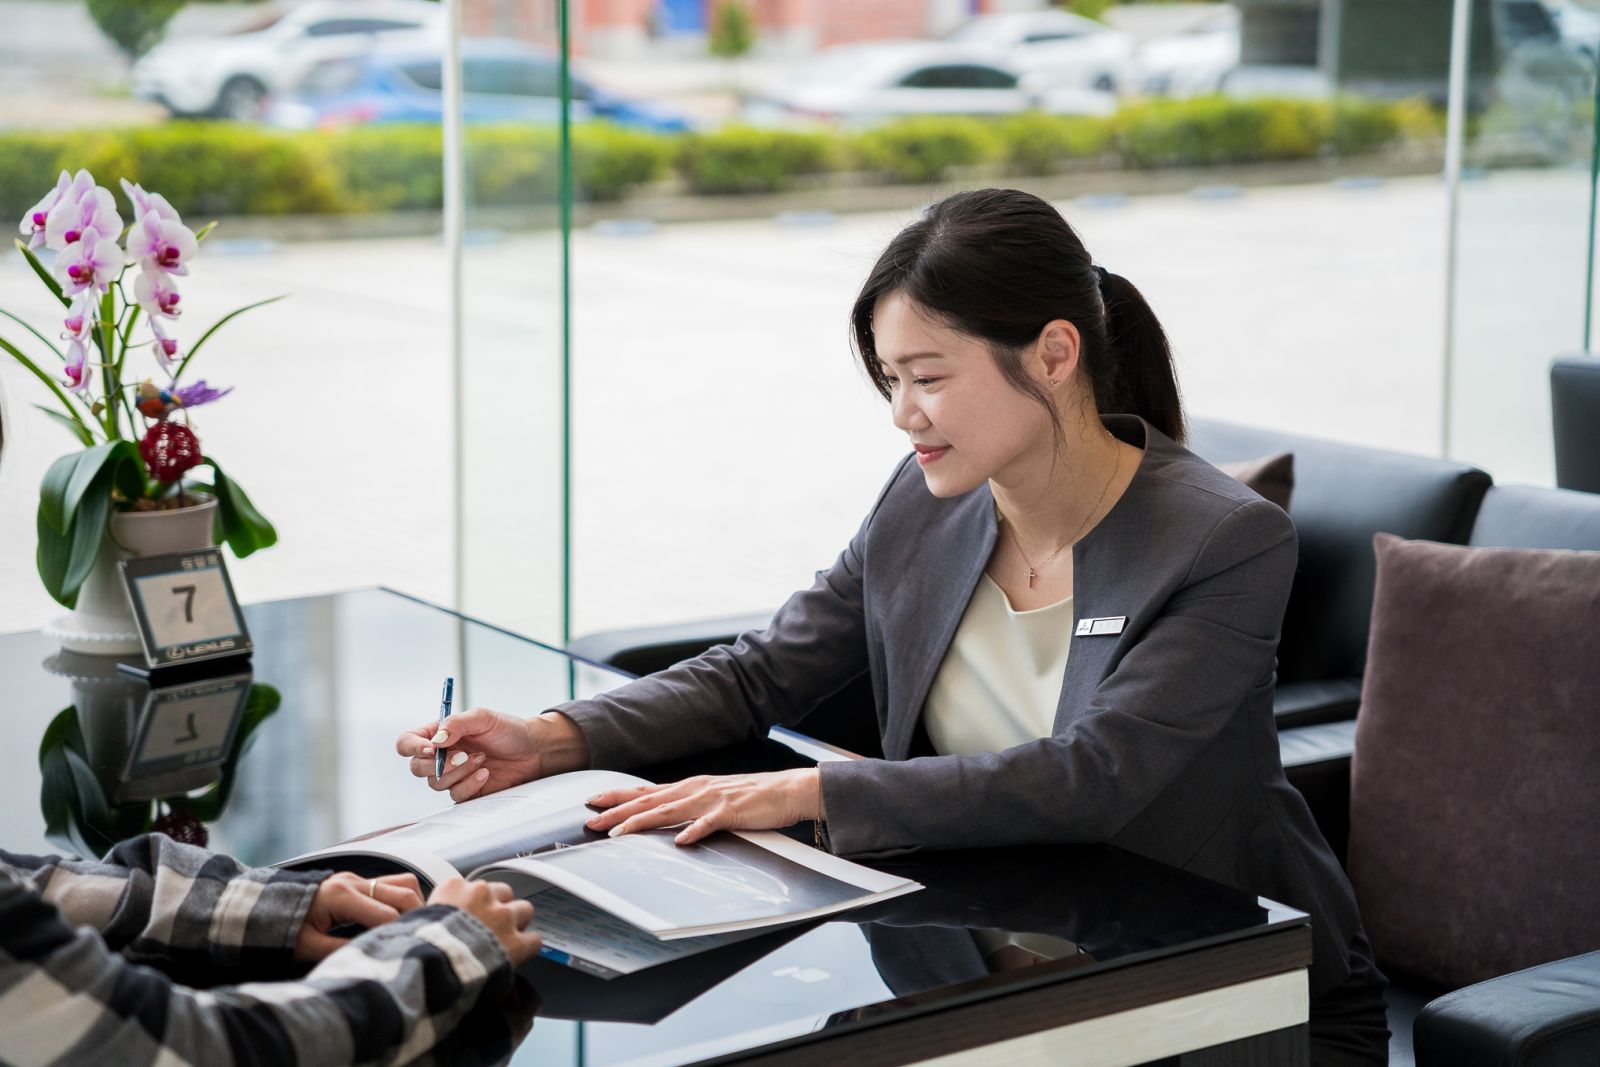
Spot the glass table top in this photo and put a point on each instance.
(298, 753)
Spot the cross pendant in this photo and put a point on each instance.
(1030, 577)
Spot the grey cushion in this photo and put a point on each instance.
(1473, 793)
(1526, 516)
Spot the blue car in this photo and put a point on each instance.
(502, 81)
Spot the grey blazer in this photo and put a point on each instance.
(1163, 743)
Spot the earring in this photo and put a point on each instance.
(1053, 382)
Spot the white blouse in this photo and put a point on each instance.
(1001, 680)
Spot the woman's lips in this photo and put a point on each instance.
(926, 456)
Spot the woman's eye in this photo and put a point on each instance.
(923, 381)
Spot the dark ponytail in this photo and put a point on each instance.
(1136, 374)
(998, 264)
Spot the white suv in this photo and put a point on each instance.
(229, 76)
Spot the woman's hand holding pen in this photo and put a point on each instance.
(710, 803)
(490, 750)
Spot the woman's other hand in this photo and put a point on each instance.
(494, 905)
(711, 803)
(490, 750)
(345, 898)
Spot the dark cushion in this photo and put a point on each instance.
(1473, 794)
(1343, 494)
(1270, 477)
(1526, 516)
(1575, 421)
(1547, 1016)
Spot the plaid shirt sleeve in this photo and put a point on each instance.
(66, 997)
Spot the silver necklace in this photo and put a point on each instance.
(1034, 568)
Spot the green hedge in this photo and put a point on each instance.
(745, 159)
(924, 149)
(211, 169)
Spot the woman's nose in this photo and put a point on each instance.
(906, 414)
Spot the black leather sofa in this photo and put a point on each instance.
(1343, 495)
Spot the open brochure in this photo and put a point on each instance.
(616, 905)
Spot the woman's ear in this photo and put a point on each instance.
(1058, 347)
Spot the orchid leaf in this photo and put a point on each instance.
(53, 555)
(74, 503)
(87, 539)
(50, 382)
(42, 338)
(238, 522)
(74, 426)
(44, 274)
(215, 326)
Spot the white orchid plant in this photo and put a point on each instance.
(140, 448)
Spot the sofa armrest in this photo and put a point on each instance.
(1316, 760)
(1545, 1016)
(1310, 703)
(647, 649)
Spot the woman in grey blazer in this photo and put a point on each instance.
(1069, 621)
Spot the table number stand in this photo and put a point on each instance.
(188, 618)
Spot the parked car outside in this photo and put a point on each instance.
(230, 76)
(501, 81)
(862, 84)
(1053, 47)
(1191, 63)
(1579, 26)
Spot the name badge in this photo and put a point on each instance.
(1100, 627)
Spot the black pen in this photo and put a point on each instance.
(444, 713)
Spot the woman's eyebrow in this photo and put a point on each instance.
(911, 356)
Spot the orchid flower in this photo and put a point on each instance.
(144, 203)
(77, 372)
(80, 322)
(92, 262)
(33, 222)
(192, 396)
(157, 293)
(166, 348)
(159, 243)
(93, 208)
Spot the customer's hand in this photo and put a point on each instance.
(490, 750)
(494, 905)
(711, 803)
(345, 898)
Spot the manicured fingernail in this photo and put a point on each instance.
(458, 759)
(482, 775)
(479, 757)
(439, 738)
(591, 823)
(594, 799)
(679, 839)
(427, 750)
(615, 830)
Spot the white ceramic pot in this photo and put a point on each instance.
(102, 623)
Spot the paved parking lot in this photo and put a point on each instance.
(724, 445)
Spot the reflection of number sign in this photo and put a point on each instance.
(185, 607)
(188, 724)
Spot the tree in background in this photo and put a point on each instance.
(733, 30)
(134, 26)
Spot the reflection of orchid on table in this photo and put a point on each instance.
(85, 776)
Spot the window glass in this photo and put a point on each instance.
(959, 76)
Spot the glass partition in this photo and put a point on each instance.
(1523, 238)
(512, 366)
